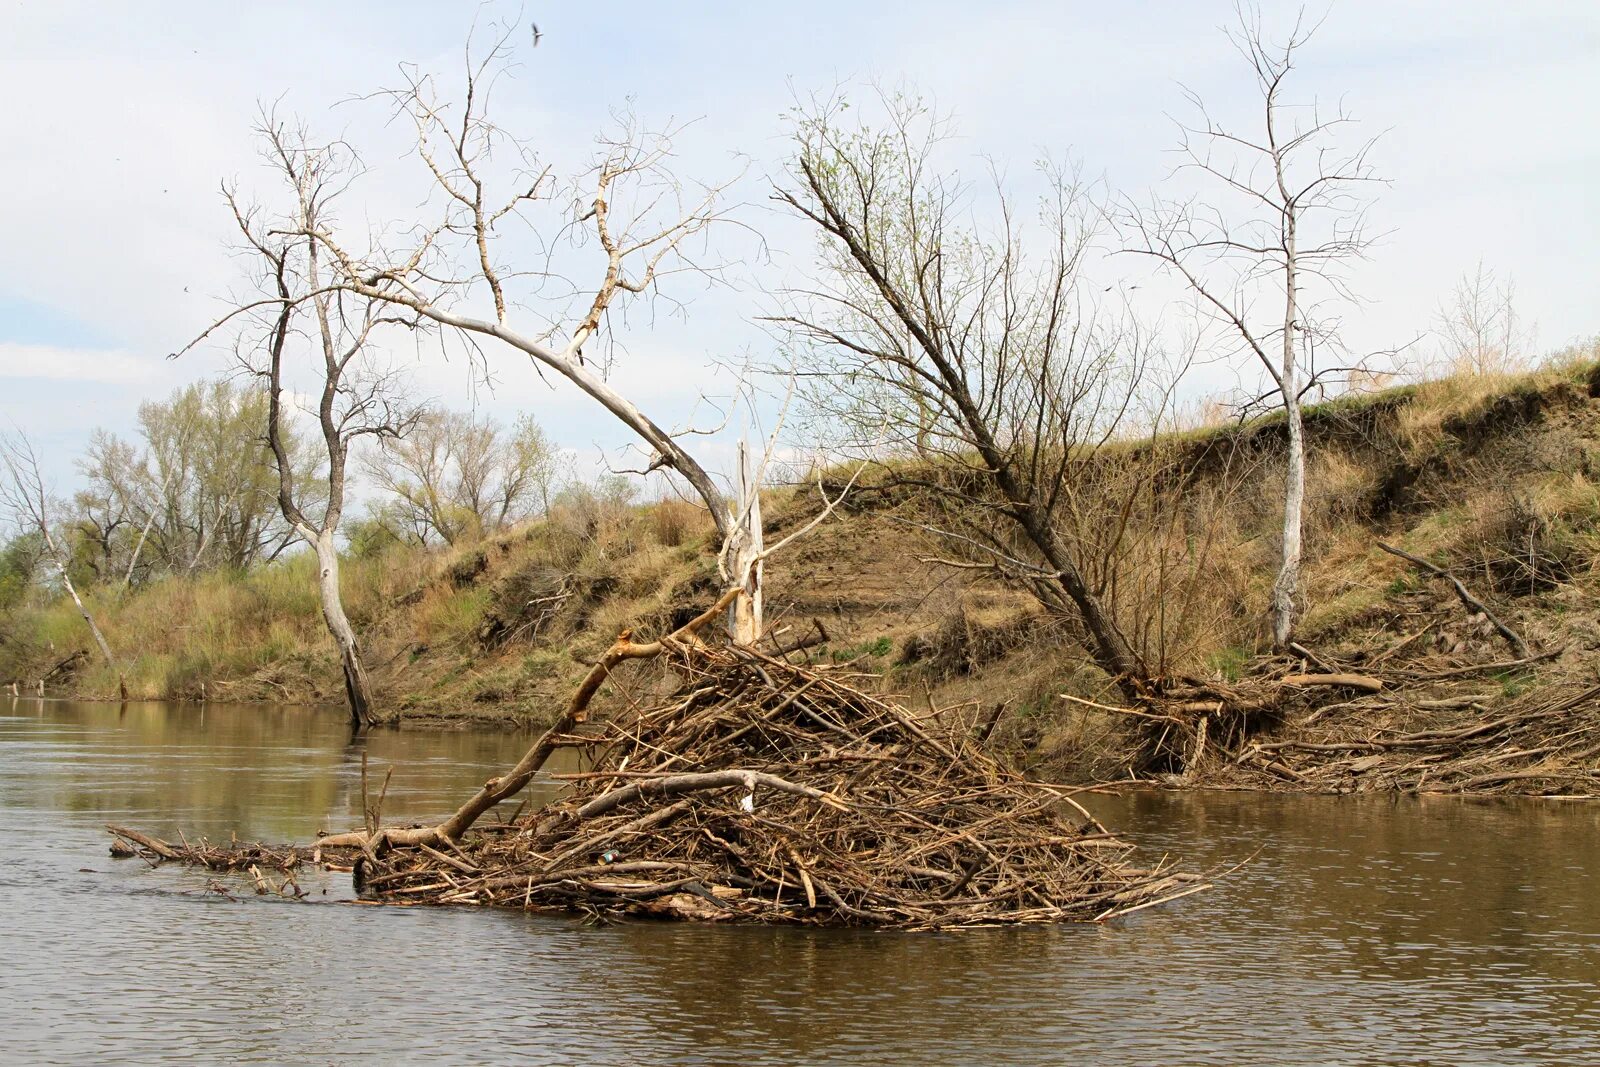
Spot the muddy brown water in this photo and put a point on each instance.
(1362, 931)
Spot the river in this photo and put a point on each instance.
(1356, 931)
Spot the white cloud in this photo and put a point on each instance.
(107, 366)
(150, 107)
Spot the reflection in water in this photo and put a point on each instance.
(1363, 931)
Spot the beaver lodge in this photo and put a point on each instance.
(760, 791)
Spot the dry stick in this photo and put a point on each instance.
(383, 792)
(989, 724)
(1472, 603)
(497, 789)
(153, 844)
(1302, 650)
(818, 636)
(645, 822)
(1363, 682)
(690, 783)
(1480, 668)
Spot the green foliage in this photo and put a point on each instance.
(19, 562)
(877, 649)
(1229, 662)
(370, 537)
(199, 490)
(1514, 683)
(457, 477)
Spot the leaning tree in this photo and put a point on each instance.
(624, 224)
(602, 239)
(24, 494)
(972, 346)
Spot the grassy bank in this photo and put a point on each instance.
(1495, 478)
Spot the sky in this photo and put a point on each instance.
(122, 120)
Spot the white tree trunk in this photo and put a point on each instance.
(72, 590)
(744, 614)
(99, 638)
(357, 688)
(1286, 589)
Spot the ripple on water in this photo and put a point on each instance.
(1361, 932)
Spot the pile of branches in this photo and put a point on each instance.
(763, 791)
(1350, 728)
(769, 792)
(271, 867)
(1395, 719)
(1545, 742)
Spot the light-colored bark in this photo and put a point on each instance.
(1298, 218)
(637, 217)
(354, 400)
(83, 609)
(138, 549)
(565, 363)
(24, 493)
(746, 550)
(358, 690)
(1286, 588)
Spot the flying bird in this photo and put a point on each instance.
(536, 33)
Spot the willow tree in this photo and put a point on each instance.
(304, 320)
(1263, 245)
(196, 490)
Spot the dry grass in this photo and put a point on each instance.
(1504, 484)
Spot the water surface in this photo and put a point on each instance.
(1362, 931)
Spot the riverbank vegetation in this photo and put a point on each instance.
(809, 702)
(1492, 477)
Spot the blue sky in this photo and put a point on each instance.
(122, 119)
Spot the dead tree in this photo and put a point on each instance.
(356, 398)
(23, 494)
(1479, 327)
(627, 211)
(971, 348)
(1285, 216)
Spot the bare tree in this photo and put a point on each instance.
(626, 211)
(24, 495)
(1285, 217)
(457, 476)
(356, 397)
(1479, 328)
(971, 348)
